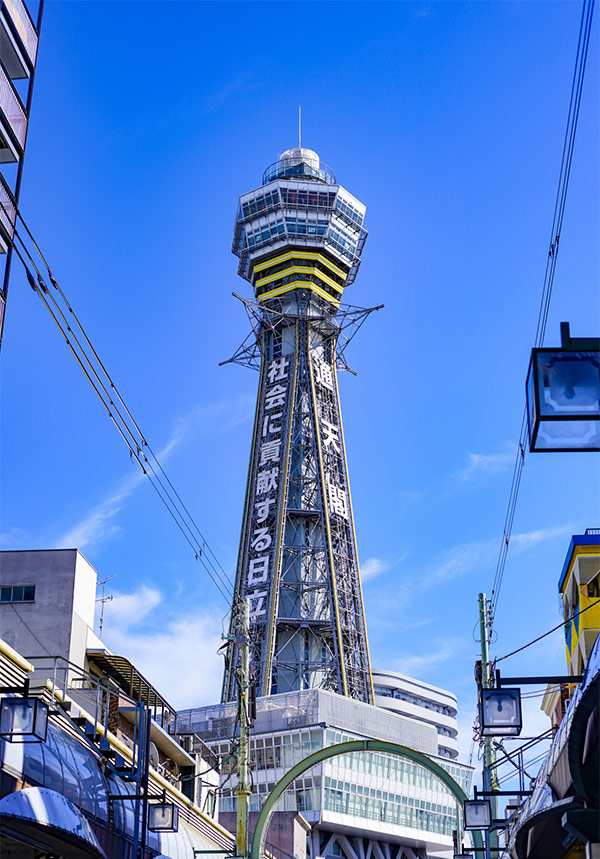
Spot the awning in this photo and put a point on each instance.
(48, 819)
(183, 843)
(129, 679)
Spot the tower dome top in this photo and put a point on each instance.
(299, 155)
(299, 162)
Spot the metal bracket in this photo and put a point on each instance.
(559, 679)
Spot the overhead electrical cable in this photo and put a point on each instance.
(555, 233)
(550, 631)
(100, 380)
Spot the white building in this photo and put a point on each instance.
(417, 700)
(360, 804)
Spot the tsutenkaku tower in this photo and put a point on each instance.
(299, 238)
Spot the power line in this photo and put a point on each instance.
(555, 233)
(550, 631)
(118, 411)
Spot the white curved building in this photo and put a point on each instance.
(417, 700)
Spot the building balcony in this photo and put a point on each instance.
(8, 213)
(18, 39)
(13, 120)
(416, 711)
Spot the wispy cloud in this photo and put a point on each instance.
(163, 643)
(241, 85)
(522, 542)
(479, 467)
(15, 538)
(127, 610)
(372, 567)
(445, 650)
(462, 559)
(99, 525)
(486, 464)
(417, 623)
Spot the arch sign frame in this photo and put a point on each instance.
(266, 812)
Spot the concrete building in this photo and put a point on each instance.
(418, 700)
(561, 818)
(579, 588)
(109, 730)
(357, 805)
(47, 603)
(19, 37)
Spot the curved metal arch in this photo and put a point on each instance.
(262, 823)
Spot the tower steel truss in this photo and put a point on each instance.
(298, 561)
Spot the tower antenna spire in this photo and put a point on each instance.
(299, 127)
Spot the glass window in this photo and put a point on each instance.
(72, 788)
(33, 763)
(93, 786)
(53, 771)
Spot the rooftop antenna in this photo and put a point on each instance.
(299, 127)
(104, 599)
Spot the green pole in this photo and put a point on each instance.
(243, 789)
(490, 779)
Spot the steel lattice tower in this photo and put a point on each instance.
(299, 238)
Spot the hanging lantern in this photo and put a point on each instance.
(23, 720)
(563, 395)
(500, 712)
(163, 817)
(477, 813)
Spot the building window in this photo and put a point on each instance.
(17, 593)
(593, 588)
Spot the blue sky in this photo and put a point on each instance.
(447, 121)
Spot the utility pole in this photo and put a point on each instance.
(243, 789)
(490, 780)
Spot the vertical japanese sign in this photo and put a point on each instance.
(269, 470)
(337, 493)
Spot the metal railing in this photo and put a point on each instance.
(12, 108)
(24, 26)
(8, 208)
(283, 169)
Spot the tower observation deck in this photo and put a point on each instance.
(299, 239)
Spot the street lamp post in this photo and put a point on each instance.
(23, 719)
(563, 395)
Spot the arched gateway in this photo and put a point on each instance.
(262, 824)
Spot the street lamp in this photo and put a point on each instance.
(500, 712)
(23, 719)
(163, 816)
(477, 813)
(563, 395)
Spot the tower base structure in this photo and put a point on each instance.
(358, 805)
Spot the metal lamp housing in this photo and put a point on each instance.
(477, 813)
(23, 720)
(500, 712)
(563, 400)
(163, 817)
